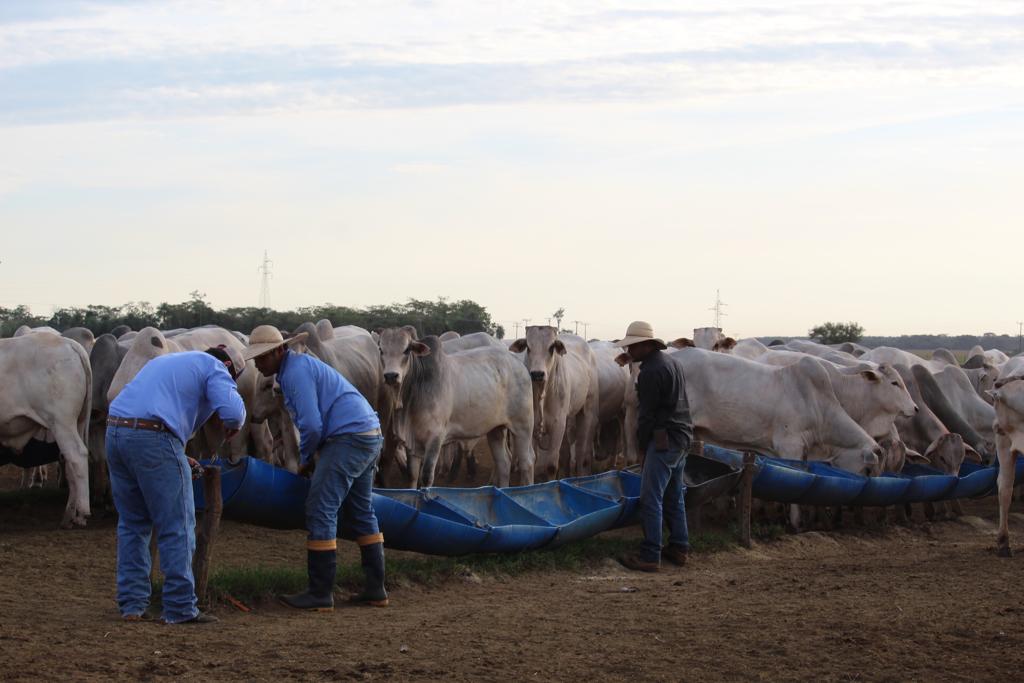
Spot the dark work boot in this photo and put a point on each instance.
(320, 595)
(373, 570)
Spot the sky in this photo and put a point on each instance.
(856, 160)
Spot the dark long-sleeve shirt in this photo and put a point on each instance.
(661, 390)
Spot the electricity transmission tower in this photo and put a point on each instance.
(266, 274)
(717, 308)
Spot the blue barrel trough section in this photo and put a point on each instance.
(458, 521)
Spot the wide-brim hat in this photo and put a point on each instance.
(640, 331)
(266, 338)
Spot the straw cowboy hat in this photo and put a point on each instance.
(640, 331)
(266, 338)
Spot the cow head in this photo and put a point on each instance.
(895, 454)
(267, 398)
(866, 460)
(891, 392)
(987, 378)
(398, 346)
(707, 337)
(947, 453)
(543, 350)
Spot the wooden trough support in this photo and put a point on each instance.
(745, 497)
(207, 525)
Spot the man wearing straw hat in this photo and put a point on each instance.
(333, 418)
(664, 434)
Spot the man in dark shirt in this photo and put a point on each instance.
(664, 434)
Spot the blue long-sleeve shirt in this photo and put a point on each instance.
(182, 390)
(321, 402)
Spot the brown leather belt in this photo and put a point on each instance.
(137, 423)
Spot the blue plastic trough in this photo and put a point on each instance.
(457, 521)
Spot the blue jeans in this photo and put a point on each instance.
(662, 491)
(343, 482)
(152, 487)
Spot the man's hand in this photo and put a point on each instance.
(661, 440)
(306, 470)
(197, 469)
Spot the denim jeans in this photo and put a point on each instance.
(662, 490)
(152, 487)
(343, 482)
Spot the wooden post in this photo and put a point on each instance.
(746, 485)
(206, 531)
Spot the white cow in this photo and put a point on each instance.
(617, 405)
(48, 386)
(954, 383)
(873, 395)
(1008, 398)
(789, 411)
(565, 399)
(439, 397)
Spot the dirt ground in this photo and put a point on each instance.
(927, 603)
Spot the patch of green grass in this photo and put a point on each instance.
(257, 583)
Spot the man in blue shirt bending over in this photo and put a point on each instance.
(333, 418)
(150, 475)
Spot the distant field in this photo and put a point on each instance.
(961, 356)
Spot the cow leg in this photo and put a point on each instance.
(1005, 486)
(522, 453)
(262, 442)
(956, 508)
(502, 460)
(586, 428)
(431, 452)
(76, 467)
(794, 517)
(567, 462)
(547, 458)
(456, 464)
(415, 464)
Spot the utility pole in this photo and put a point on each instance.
(717, 308)
(264, 270)
(515, 324)
(526, 323)
(576, 329)
(1020, 337)
(585, 326)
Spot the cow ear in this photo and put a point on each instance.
(914, 456)
(727, 344)
(518, 346)
(559, 347)
(972, 455)
(411, 330)
(870, 375)
(681, 343)
(419, 349)
(623, 359)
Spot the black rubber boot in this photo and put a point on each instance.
(373, 570)
(320, 595)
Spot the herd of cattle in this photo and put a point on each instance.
(548, 404)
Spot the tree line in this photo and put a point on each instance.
(429, 317)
